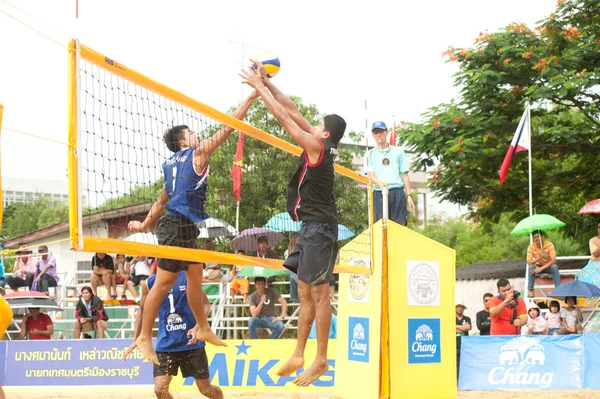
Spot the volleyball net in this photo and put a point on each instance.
(118, 118)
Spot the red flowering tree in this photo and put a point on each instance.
(555, 67)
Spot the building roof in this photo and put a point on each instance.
(507, 269)
(62, 227)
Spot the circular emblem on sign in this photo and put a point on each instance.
(423, 283)
(386, 161)
(359, 283)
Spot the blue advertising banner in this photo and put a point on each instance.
(522, 362)
(358, 339)
(591, 361)
(62, 362)
(424, 341)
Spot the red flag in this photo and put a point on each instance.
(236, 171)
(393, 135)
(520, 142)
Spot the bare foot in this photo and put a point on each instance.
(207, 335)
(311, 374)
(293, 364)
(146, 349)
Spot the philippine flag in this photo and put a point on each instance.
(519, 143)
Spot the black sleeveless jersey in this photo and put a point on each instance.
(310, 192)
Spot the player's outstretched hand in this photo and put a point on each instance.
(252, 78)
(260, 68)
(135, 226)
(192, 333)
(128, 351)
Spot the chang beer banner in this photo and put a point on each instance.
(251, 365)
(522, 362)
(74, 362)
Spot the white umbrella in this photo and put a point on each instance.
(213, 227)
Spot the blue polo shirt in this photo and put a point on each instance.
(390, 173)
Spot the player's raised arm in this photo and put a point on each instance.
(306, 140)
(288, 104)
(207, 146)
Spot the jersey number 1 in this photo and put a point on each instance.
(172, 303)
(174, 176)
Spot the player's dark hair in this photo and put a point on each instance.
(502, 283)
(336, 126)
(257, 279)
(172, 137)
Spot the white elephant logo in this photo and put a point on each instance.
(509, 357)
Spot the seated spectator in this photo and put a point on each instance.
(262, 309)
(553, 318)
(263, 249)
(37, 326)
(541, 257)
(507, 311)
(102, 273)
(293, 276)
(571, 317)
(239, 285)
(482, 317)
(536, 324)
(2, 276)
(212, 271)
(121, 276)
(45, 272)
(23, 270)
(332, 329)
(90, 314)
(140, 271)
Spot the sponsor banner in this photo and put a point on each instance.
(74, 362)
(424, 341)
(358, 339)
(523, 362)
(251, 365)
(423, 279)
(592, 363)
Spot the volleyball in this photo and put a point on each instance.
(270, 61)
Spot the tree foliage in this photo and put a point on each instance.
(21, 218)
(555, 68)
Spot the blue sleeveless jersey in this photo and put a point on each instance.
(186, 188)
(175, 318)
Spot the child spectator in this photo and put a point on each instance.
(553, 317)
(536, 324)
(239, 284)
(121, 276)
(571, 317)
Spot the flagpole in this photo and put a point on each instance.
(529, 158)
(237, 216)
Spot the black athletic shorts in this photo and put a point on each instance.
(176, 231)
(193, 363)
(315, 253)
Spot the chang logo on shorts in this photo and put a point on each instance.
(175, 322)
(518, 360)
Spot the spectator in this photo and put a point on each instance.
(140, 271)
(536, 324)
(571, 317)
(212, 271)
(239, 285)
(595, 246)
(23, 270)
(483, 317)
(508, 312)
(121, 276)
(102, 273)
(541, 256)
(263, 249)
(293, 276)
(553, 318)
(45, 272)
(36, 326)
(2, 276)
(90, 314)
(262, 309)
(463, 326)
(332, 329)
(387, 166)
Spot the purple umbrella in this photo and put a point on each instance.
(247, 240)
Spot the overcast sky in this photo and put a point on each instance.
(335, 54)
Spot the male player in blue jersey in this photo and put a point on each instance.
(310, 200)
(184, 197)
(176, 347)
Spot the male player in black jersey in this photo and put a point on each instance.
(310, 200)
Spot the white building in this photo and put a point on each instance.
(27, 190)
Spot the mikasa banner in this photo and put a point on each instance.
(529, 362)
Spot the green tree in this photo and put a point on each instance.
(22, 218)
(554, 67)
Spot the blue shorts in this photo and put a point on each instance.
(397, 205)
(551, 331)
